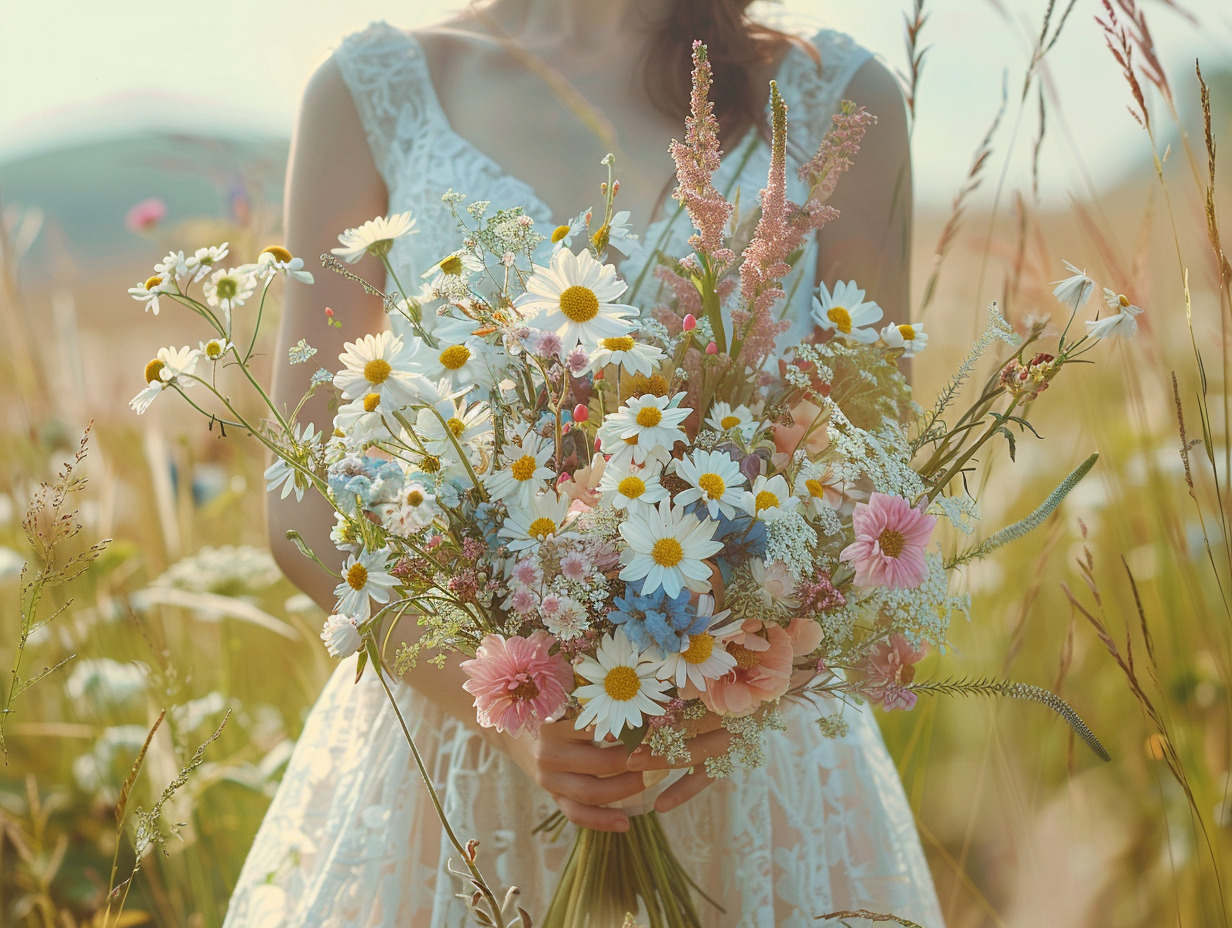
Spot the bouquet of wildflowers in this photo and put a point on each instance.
(601, 509)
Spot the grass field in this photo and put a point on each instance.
(1120, 603)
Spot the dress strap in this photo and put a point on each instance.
(815, 93)
(385, 71)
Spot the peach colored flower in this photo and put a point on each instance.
(891, 667)
(763, 653)
(516, 683)
(805, 636)
(890, 541)
(583, 488)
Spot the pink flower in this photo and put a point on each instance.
(527, 573)
(523, 601)
(575, 566)
(551, 605)
(763, 653)
(891, 667)
(145, 215)
(516, 683)
(890, 541)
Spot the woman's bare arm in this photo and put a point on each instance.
(332, 185)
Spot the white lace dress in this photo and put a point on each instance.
(351, 838)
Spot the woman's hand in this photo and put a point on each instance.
(579, 775)
(711, 740)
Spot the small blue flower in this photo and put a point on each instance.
(655, 620)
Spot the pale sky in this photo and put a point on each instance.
(89, 67)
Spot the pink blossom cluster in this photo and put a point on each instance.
(819, 595)
(697, 158)
(890, 667)
(842, 142)
(1031, 379)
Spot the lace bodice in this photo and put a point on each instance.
(351, 838)
(420, 156)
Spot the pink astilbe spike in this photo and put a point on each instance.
(822, 171)
(697, 158)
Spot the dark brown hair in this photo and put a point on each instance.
(741, 54)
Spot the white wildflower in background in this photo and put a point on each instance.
(341, 635)
(204, 262)
(1122, 324)
(846, 312)
(226, 570)
(621, 688)
(574, 297)
(228, 290)
(215, 349)
(1074, 290)
(149, 292)
(277, 260)
(375, 237)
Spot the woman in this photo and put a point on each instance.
(516, 102)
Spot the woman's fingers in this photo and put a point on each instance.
(593, 817)
(683, 790)
(594, 791)
(709, 744)
(582, 757)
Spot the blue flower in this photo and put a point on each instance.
(740, 542)
(656, 620)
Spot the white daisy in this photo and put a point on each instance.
(1120, 302)
(416, 510)
(470, 425)
(634, 356)
(562, 235)
(667, 549)
(375, 237)
(1122, 324)
(621, 687)
(544, 519)
(714, 479)
(645, 423)
(204, 261)
(631, 490)
(910, 336)
(215, 349)
(618, 230)
(149, 292)
(724, 418)
(364, 578)
(304, 443)
(846, 312)
(1074, 291)
(701, 660)
(362, 420)
(769, 497)
(382, 363)
(458, 264)
(522, 473)
(461, 354)
(172, 268)
(277, 260)
(817, 486)
(574, 298)
(228, 290)
(341, 636)
(166, 368)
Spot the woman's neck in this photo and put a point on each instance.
(579, 24)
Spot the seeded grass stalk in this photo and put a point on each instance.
(609, 875)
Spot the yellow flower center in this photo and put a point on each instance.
(632, 487)
(415, 498)
(541, 528)
(713, 485)
(430, 464)
(377, 371)
(600, 238)
(700, 648)
(153, 371)
(1123, 300)
(667, 552)
(456, 425)
(766, 500)
(524, 468)
(452, 266)
(744, 657)
(579, 304)
(279, 253)
(631, 441)
(453, 357)
(649, 416)
(371, 402)
(729, 422)
(526, 690)
(816, 488)
(891, 542)
(213, 349)
(153, 282)
(841, 318)
(907, 332)
(357, 576)
(624, 343)
(622, 683)
(559, 233)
